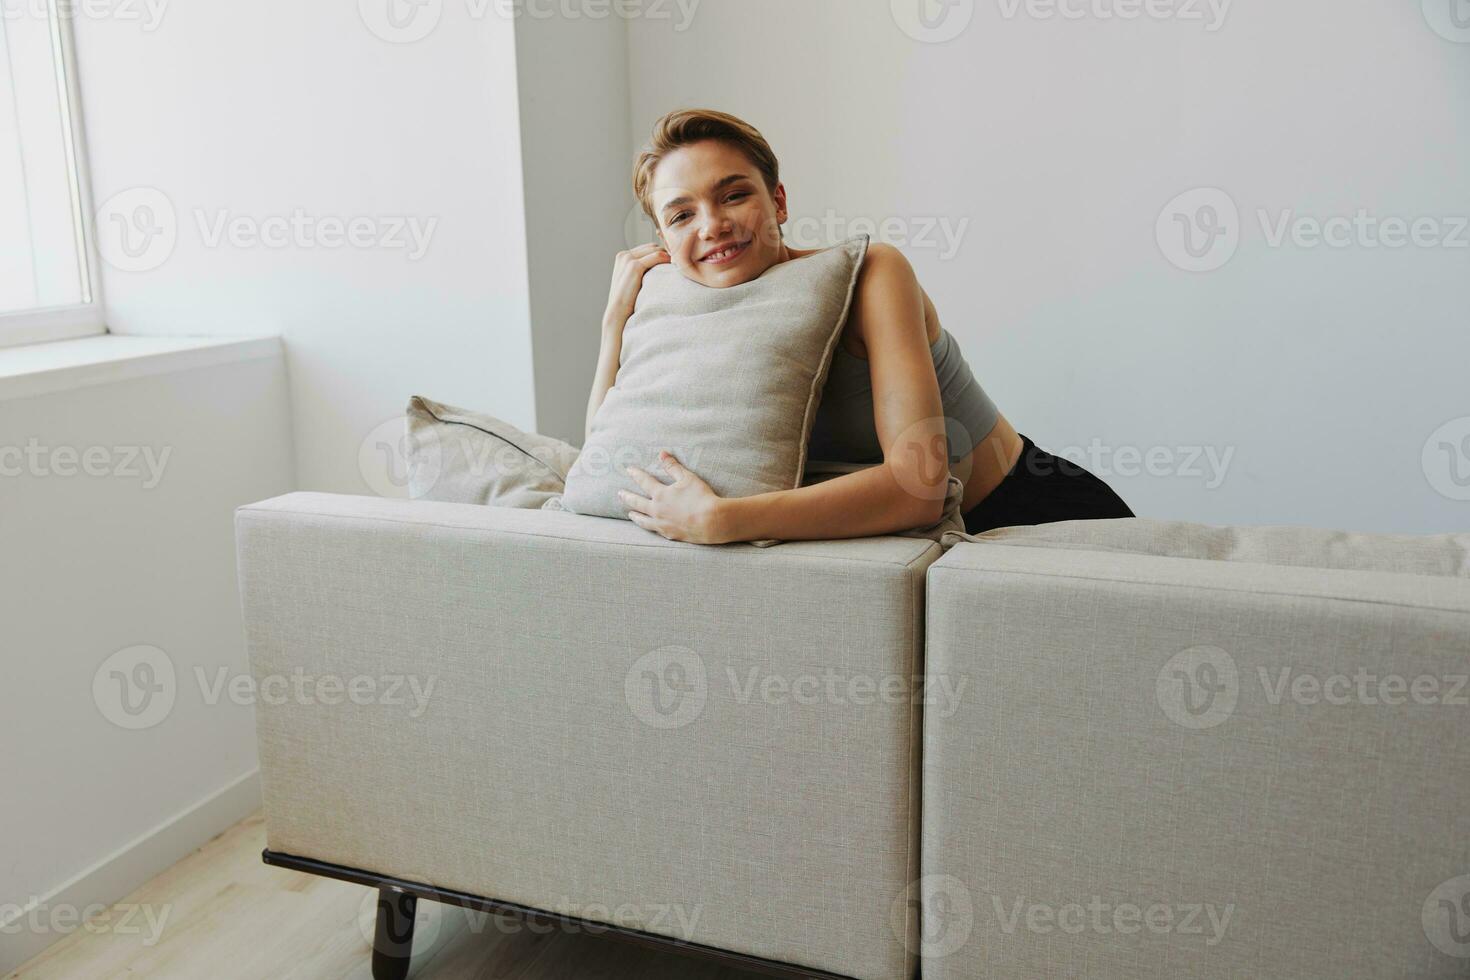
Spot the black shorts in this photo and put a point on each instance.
(1042, 488)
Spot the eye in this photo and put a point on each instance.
(678, 217)
(737, 196)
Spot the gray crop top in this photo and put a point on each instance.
(844, 429)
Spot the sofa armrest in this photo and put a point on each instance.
(1182, 767)
(596, 721)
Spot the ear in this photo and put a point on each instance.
(780, 196)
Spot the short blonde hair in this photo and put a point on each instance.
(685, 126)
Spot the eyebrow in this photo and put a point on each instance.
(685, 198)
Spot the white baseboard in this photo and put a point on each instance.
(118, 874)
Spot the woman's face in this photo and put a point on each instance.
(717, 221)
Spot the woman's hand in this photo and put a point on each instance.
(627, 279)
(685, 510)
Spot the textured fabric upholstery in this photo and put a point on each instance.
(1167, 768)
(1308, 547)
(613, 721)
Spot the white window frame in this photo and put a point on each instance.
(86, 318)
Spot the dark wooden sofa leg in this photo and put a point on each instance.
(393, 938)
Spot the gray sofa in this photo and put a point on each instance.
(721, 748)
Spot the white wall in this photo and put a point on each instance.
(1323, 370)
(253, 111)
(573, 82)
(131, 554)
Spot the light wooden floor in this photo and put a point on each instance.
(231, 916)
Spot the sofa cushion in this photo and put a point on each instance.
(1433, 554)
(728, 380)
(460, 456)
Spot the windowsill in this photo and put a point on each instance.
(41, 369)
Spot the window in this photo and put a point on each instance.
(48, 267)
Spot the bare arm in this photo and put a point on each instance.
(627, 279)
(606, 373)
(907, 489)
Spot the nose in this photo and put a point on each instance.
(715, 224)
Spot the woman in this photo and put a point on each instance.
(899, 393)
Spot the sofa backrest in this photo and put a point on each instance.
(1307, 547)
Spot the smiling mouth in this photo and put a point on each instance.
(727, 254)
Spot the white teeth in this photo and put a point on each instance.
(723, 253)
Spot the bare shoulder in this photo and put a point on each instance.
(888, 287)
(884, 261)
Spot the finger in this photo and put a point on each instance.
(644, 480)
(672, 466)
(635, 503)
(644, 521)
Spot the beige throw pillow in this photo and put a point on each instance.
(465, 457)
(728, 380)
